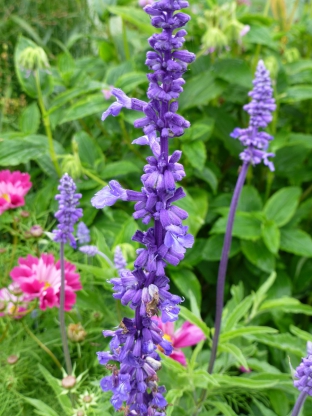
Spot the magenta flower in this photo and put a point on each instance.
(186, 336)
(12, 302)
(41, 278)
(13, 187)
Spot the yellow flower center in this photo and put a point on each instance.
(46, 285)
(13, 309)
(6, 197)
(168, 338)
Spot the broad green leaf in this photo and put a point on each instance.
(246, 226)
(284, 342)
(196, 209)
(42, 409)
(201, 130)
(246, 330)
(282, 205)
(237, 314)
(173, 396)
(171, 364)
(189, 316)
(14, 151)
(30, 119)
(261, 293)
(126, 232)
(235, 351)
(128, 82)
(260, 35)
(195, 153)
(208, 176)
(222, 407)
(234, 71)
(54, 384)
(286, 304)
(200, 89)
(245, 382)
(271, 236)
(298, 93)
(114, 169)
(200, 378)
(257, 253)
(296, 241)
(265, 411)
(23, 24)
(99, 272)
(213, 248)
(279, 402)
(187, 282)
(135, 16)
(89, 151)
(87, 106)
(249, 200)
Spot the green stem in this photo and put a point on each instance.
(47, 125)
(125, 41)
(68, 363)
(93, 176)
(41, 345)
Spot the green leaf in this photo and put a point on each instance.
(261, 293)
(89, 151)
(260, 35)
(246, 226)
(23, 24)
(222, 407)
(281, 207)
(208, 176)
(235, 351)
(172, 364)
(172, 397)
(135, 16)
(284, 342)
(257, 253)
(128, 82)
(196, 208)
(15, 151)
(54, 384)
(213, 248)
(195, 153)
(265, 411)
(286, 304)
(246, 330)
(200, 378)
(234, 71)
(189, 316)
(87, 106)
(114, 169)
(249, 200)
(298, 93)
(245, 382)
(306, 336)
(187, 282)
(42, 408)
(271, 236)
(30, 119)
(279, 402)
(296, 241)
(237, 314)
(201, 130)
(200, 89)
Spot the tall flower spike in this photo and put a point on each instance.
(134, 383)
(260, 110)
(303, 374)
(68, 213)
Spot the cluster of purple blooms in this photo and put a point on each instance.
(68, 213)
(303, 373)
(260, 110)
(134, 382)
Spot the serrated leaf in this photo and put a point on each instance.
(281, 207)
(195, 153)
(296, 241)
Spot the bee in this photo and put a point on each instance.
(124, 328)
(151, 307)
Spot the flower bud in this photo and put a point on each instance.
(76, 332)
(12, 359)
(69, 382)
(33, 58)
(36, 230)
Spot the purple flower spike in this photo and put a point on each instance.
(83, 233)
(260, 110)
(68, 213)
(134, 344)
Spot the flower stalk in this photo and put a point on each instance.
(299, 403)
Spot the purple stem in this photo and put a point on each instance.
(68, 363)
(224, 262)
(299, 403)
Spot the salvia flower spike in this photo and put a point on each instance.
(260, 110)
(303, 382)
(68, 213)
(134, 382)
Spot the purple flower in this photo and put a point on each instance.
(119, 260)
(146, 289)
(89, 250)
(303, 373)
(260, 110)
(83, 233)
(68, 213)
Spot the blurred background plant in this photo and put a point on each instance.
(86, 47)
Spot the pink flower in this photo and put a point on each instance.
(143, 3)
(12, 302)
(186, 336)
(244, 31)
(107, 92)
(13, 187)
(41, 278)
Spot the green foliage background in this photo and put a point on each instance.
(92, 46)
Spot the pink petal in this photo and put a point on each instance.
(167, 328)
(179, 356)
(187, 335)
